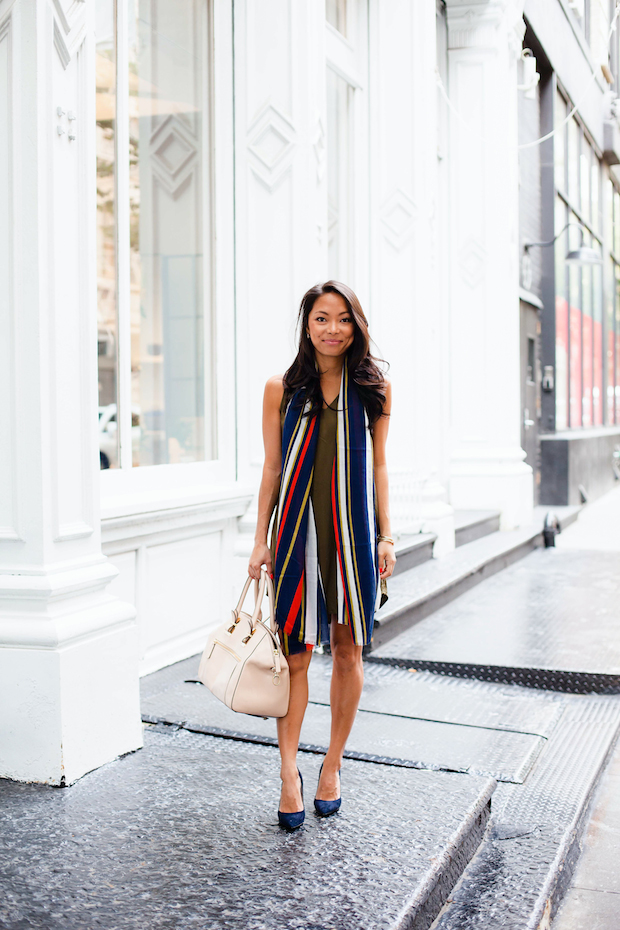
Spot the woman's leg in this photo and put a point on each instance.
(289, 728)
(346, 690)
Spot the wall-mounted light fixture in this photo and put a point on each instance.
(582, 255)
(531, 77)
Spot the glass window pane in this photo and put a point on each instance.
(336, 14)
(609, 345)
(561, 319)
(573, 162)
(574, 332)
(595, 174)
(597, 338)
(559, 143)
(617, 353)
(167, 151)
(107, 319)
(586, 339)
(584, 169)
(338, 178)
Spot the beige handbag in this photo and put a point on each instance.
(243, 664)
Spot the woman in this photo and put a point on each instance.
(325, 425)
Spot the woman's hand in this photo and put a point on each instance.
(387, 558)
(261, 555)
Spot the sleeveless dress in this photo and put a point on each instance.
(322, 503)
(320, 493)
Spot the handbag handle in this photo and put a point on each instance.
(265, 584)
(259, 593)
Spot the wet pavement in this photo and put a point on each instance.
(184, 834)
(405, 719)
(555, 609)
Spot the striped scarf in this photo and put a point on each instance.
(301, 610)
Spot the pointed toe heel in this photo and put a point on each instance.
(295, 819)
(327, 808)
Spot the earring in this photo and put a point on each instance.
(307, 335)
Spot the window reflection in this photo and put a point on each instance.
(166, 74)
(338, 176)
(107, 318)
(336, 14)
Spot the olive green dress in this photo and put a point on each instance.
(321, 494)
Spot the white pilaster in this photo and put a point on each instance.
(280, 203)
(68, 652)
(406, 316)
(487, 470)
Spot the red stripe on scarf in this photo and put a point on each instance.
(295, 606)
(295, 477)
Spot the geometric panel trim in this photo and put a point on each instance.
(319, 149)
(271, 144)
(472, 262)
(172, 154)
(69, 29)
(397, 215)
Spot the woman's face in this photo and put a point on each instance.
(330, 325)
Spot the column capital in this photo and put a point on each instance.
(474, 23)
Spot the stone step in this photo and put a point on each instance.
(547, 622)
(404, 720)
(473, 524)
(528, 857)
(413, 550)
(416, 592)
(184, 833)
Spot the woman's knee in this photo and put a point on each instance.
(347, 656)
(298, 663)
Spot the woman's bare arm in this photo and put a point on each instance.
(270, 481)
(387, 559)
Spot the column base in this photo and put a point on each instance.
(69, 687)
(499, 482)
(418, 505)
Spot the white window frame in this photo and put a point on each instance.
(182, 480)
(347, 56)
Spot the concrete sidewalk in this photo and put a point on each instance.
(183, 834)
(593, 900)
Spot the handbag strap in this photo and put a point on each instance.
(244, 594)
(264, 585)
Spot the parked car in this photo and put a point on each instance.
(108, 435)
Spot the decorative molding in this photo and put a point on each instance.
(9, 478)
(69, 29)
(472, 262)
(76, 530)
(474, 23)
(397, 215)
(320, 149)
(271, 143)
(173, 154)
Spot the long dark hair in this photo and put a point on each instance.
(363, 369)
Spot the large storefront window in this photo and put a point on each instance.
(107, 318)
(579, 297)
(154, 349)
(612, 309)
(339, 93)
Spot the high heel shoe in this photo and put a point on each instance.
(327, 808)
(294, 820)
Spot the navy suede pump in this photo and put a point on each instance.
(294, 820)
(327, 808)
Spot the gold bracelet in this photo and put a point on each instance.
(385, 539)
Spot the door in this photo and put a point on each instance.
(530, 390)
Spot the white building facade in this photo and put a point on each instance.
(174, 176)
